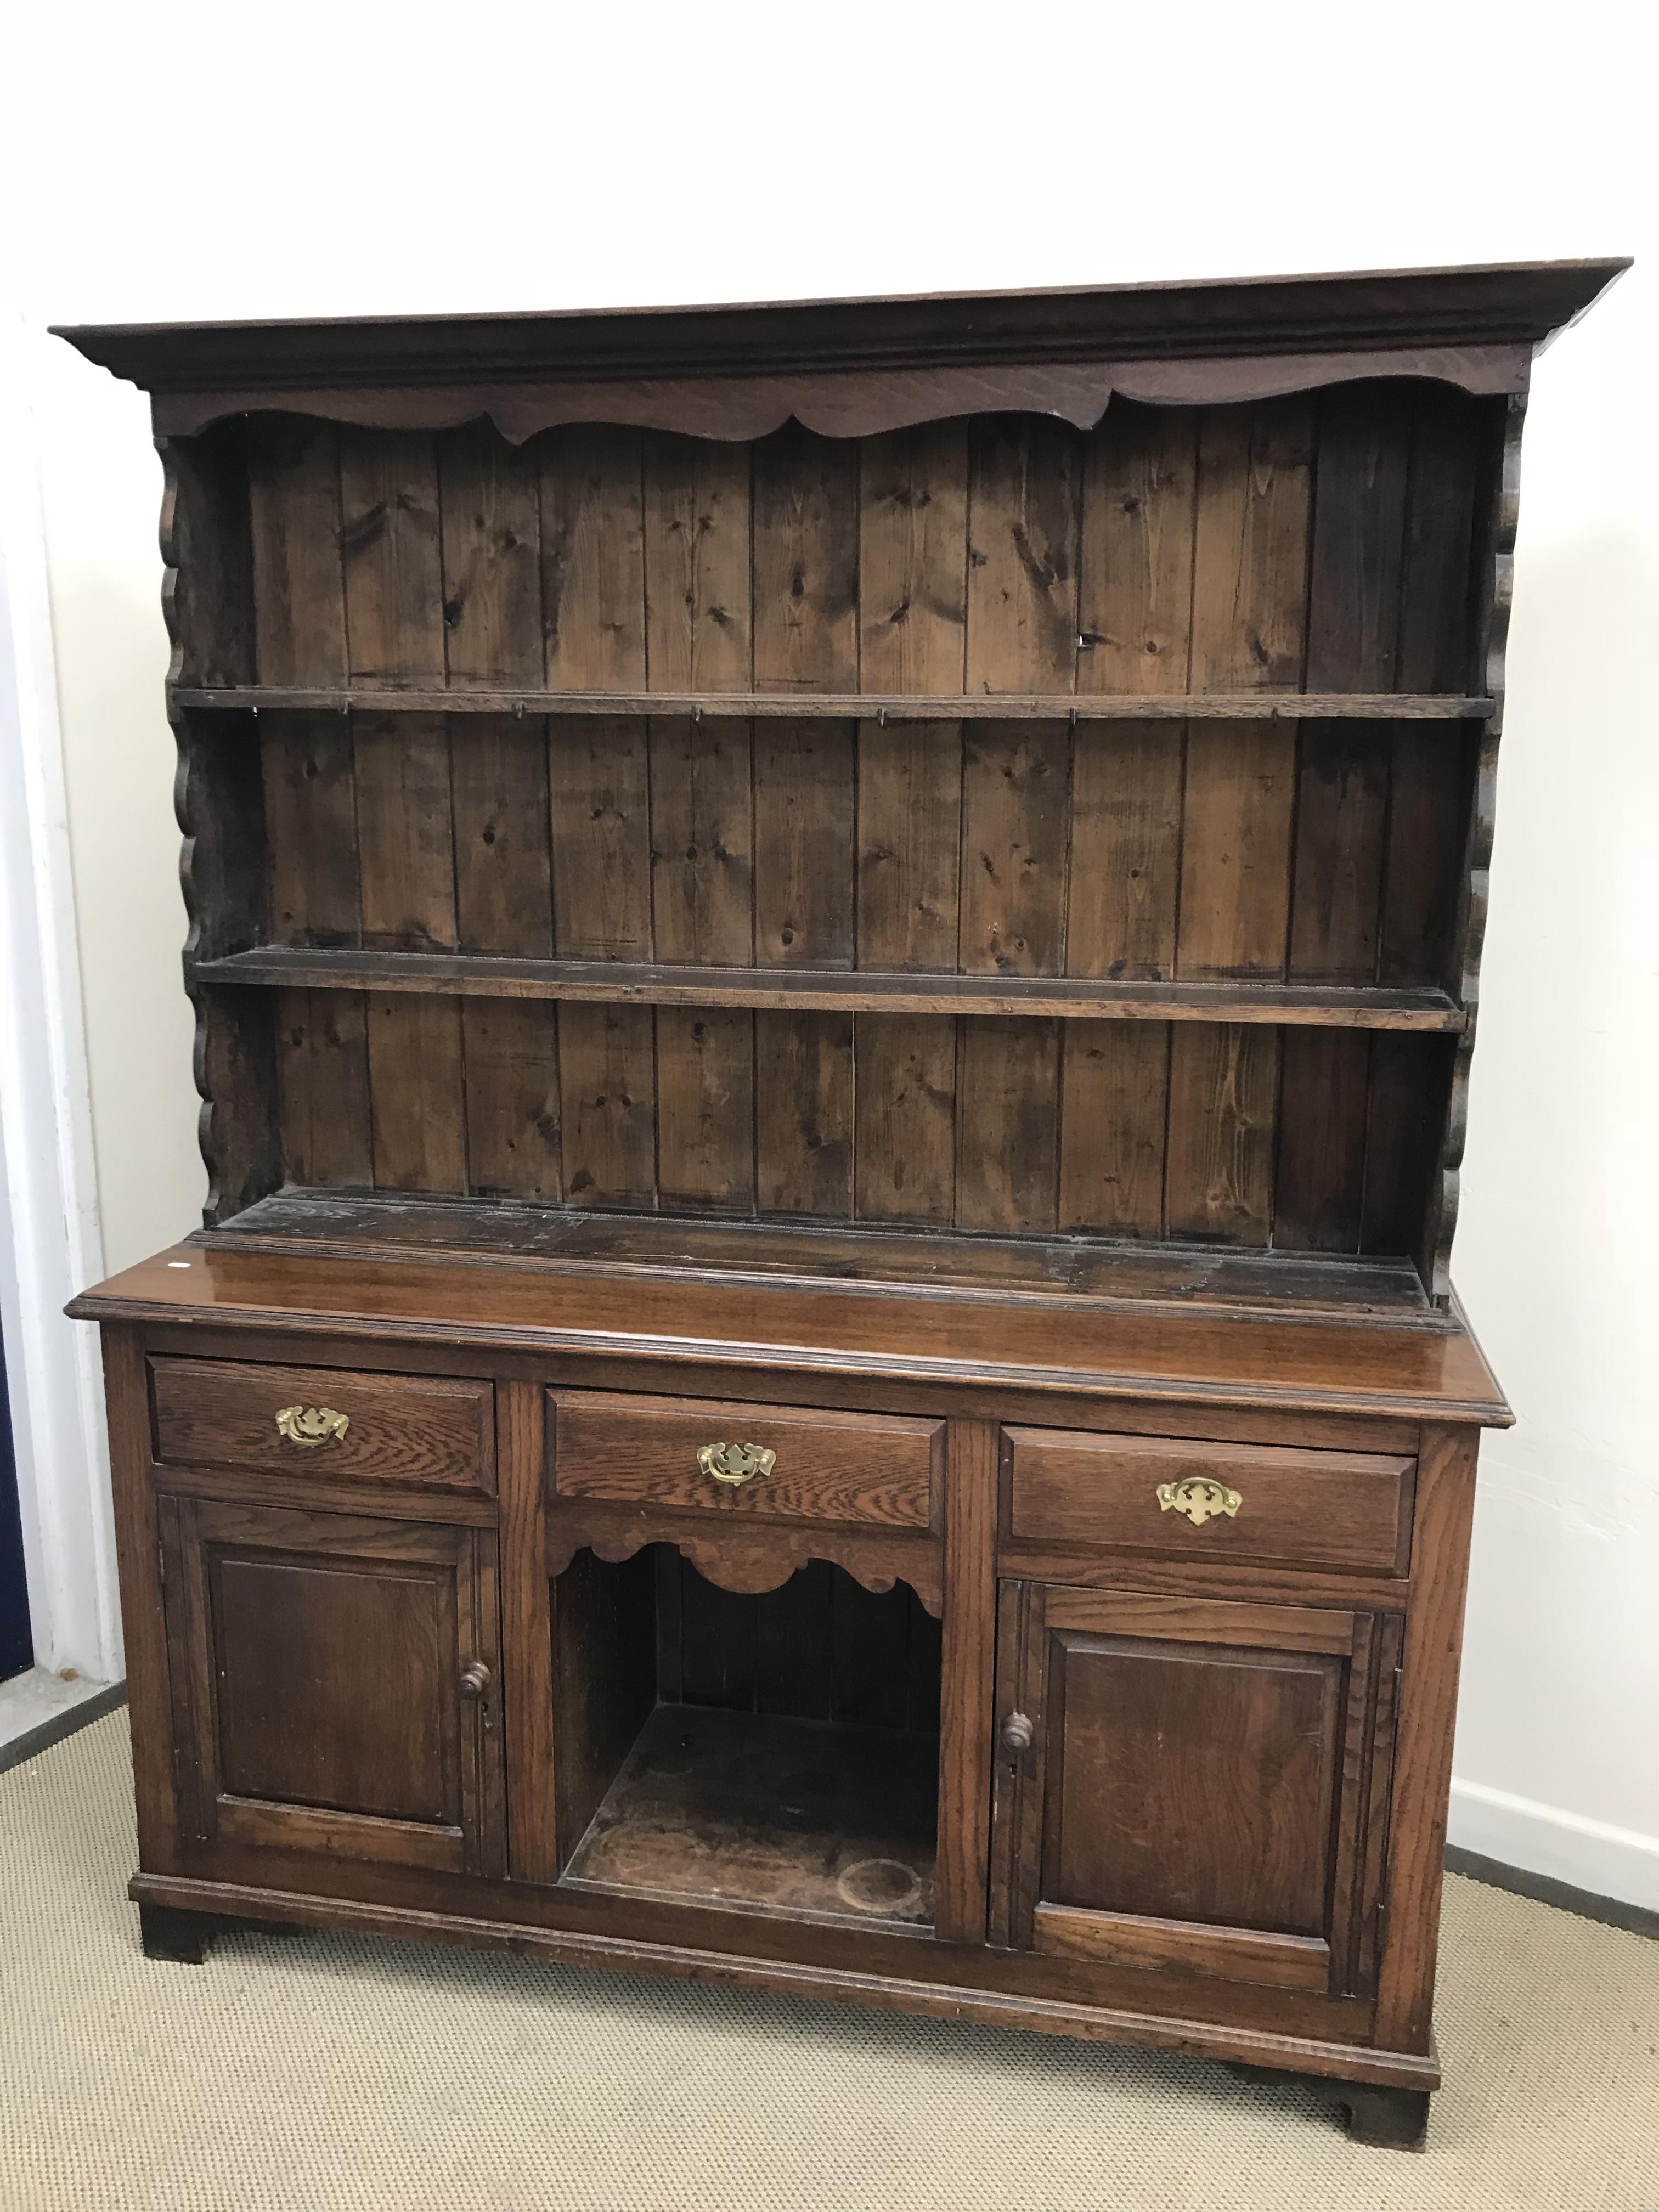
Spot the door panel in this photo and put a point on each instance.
(1192, 1782)
(1185, 1783)
(336, 1682)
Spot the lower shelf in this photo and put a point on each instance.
(762, 1812)
(1083, 1270)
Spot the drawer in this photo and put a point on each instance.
(1329, 1509)
(430, 1432)
(861, 1467)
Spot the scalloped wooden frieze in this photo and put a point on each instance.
(841, 404)
(756, 1559)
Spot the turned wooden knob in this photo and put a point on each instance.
(475, 1679)
(1017, 1734)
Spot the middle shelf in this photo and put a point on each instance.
(823, 990)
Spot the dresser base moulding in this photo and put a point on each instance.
(182, 1898)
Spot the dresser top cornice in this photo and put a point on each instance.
(853, 366)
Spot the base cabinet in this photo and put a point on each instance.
(988, 1732)
(1188, 1782)
(335, 1683)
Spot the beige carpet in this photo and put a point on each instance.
(345, 2073)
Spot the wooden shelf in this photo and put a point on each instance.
(1082, 1270)
(833, 990)
(855, 706)
(783, 1815)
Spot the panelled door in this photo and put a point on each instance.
(1181, 1782)
(335, 1683)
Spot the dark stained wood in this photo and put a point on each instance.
(1114, 1119)
(593, 535)
(1006, 1164)
(1474, 324)
(964, 1755)
(803, 1110)
(859, 1467)
(1323, 1508)
(1423, 1751)
(322, 1055)
(1131, 1721)
(527, 1637)
(1428, 794)
(788, 1816)
(696, 566)
(1248, 629)
(490, 528)
(603, 1682)
(310, 792)
(815, 989)
(948, 921)
(1357, 568)
(599, 788)
(490, 507)
(390, 542)
(144, 1615)
(739, 703)
(913, 559)
(403, 1429)
(299, 584)
(1136, 579)
(905, 1143)
(1224, 1084)
(1193, 1357)
(330, 1711)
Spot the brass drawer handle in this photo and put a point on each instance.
(311, 1425)
(734, 1464)
(476, 1678)
(1200, 1498)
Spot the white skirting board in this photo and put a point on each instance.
(1589, 1855)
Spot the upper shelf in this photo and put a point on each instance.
(822, 990)
(859, 705)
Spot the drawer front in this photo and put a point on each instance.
(859, 1468)
(426, 1431)
(1209, 1501)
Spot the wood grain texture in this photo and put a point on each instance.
(1223, 1103)
(592, 574)
(328, 1705)
(491, 529)
(848, 1467)
(1024, 480)
(913, 559)
(310, 792)
(1322, 1509)
(404, 1430)
(1169, 1353)
(1114, 1121)
(144, 1608)
(1423, 1749)
(1124, 1939)
(964, 1764)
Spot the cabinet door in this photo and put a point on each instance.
(334, 1683)
(1185, 1782)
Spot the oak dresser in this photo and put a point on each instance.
(835, 953)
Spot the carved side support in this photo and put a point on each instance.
(754, 1558)
(218, 799)
(1498, 597)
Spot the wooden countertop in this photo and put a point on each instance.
(880, 1331)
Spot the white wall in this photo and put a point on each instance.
(197, 160)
